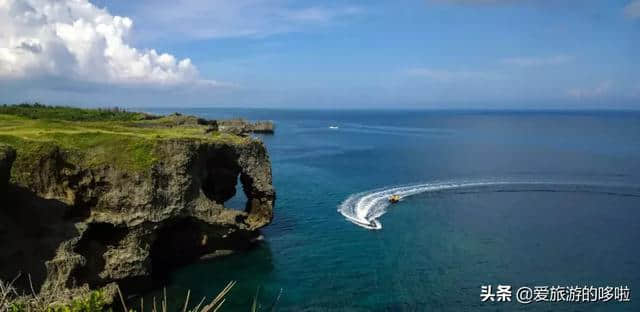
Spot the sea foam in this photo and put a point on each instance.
(364, 209)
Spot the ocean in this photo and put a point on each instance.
(520, 199)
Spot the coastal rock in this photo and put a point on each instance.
(7, 156)
(70, 226)
(263, 127)
(240, 127)
(244, 127)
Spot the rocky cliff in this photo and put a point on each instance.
(243, 127)
(7, 156)
(108, 204)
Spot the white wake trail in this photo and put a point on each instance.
(364, 209)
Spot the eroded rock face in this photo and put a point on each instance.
(244, 127)
(7, 156)
(99, 226)
(263, 127)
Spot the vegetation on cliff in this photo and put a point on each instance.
(39, 111)
(106, 198)
(97, 301)
(95, 137)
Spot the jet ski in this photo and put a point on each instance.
(394, 198)
(367, 224)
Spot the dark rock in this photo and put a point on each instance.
(7, 156)
(99, 226)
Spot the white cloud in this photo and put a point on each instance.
(633, 9)
(537, 61)
(320, 14)
(74, 39)
(207, 19)
(440, 75)
(599, 90)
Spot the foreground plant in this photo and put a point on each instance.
(212, 306)
(95, 301)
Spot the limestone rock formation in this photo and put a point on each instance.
(7, 156)
(243, 127)
(71, 225)
(263, 127)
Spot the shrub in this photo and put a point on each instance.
(39, 111)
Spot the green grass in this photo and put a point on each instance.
(39, 111)
(94, 138)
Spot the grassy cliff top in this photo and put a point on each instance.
(94, 137)
(39, 111)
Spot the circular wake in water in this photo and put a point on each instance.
(364, 209)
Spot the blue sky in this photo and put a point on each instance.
(327, 54)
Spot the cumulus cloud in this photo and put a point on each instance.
(599, 90)
(441, 75)
(537, 61)
(76, 40)
(633, 9)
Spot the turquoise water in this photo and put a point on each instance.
(523, 199)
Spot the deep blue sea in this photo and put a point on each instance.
(488, 198)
